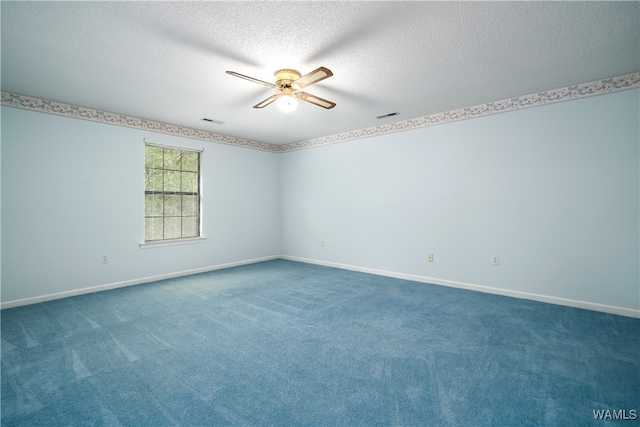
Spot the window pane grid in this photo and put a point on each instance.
(172, 193)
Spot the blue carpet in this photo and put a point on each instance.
(284, 343)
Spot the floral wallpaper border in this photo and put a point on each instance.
(598, 87)
(59, 108)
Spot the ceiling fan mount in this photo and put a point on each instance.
(286, 78)
(289, 82)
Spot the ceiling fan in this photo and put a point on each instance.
(289, 83)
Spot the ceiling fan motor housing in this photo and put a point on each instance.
(286, 77)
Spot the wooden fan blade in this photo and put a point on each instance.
(251, 79)
(315, 100)
(313, 77)
(267, 101)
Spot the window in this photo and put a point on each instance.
(171, 193)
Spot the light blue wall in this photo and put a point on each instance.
(73, 190)
(553, 190)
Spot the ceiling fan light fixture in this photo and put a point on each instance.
(289, 82)
(287, 103)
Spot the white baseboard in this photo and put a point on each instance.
(479, 288)
(49, 297)
(422, 279)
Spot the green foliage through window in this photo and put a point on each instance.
(171, 193)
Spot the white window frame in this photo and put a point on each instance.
(182, 240)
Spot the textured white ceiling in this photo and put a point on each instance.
(166, 61)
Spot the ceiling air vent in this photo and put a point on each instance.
(384, 116)
(218, 122)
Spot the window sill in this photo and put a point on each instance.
(174, 242)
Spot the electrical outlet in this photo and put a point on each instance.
(430, 257)
(495, 260)
(104, 258)
(322, 243)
